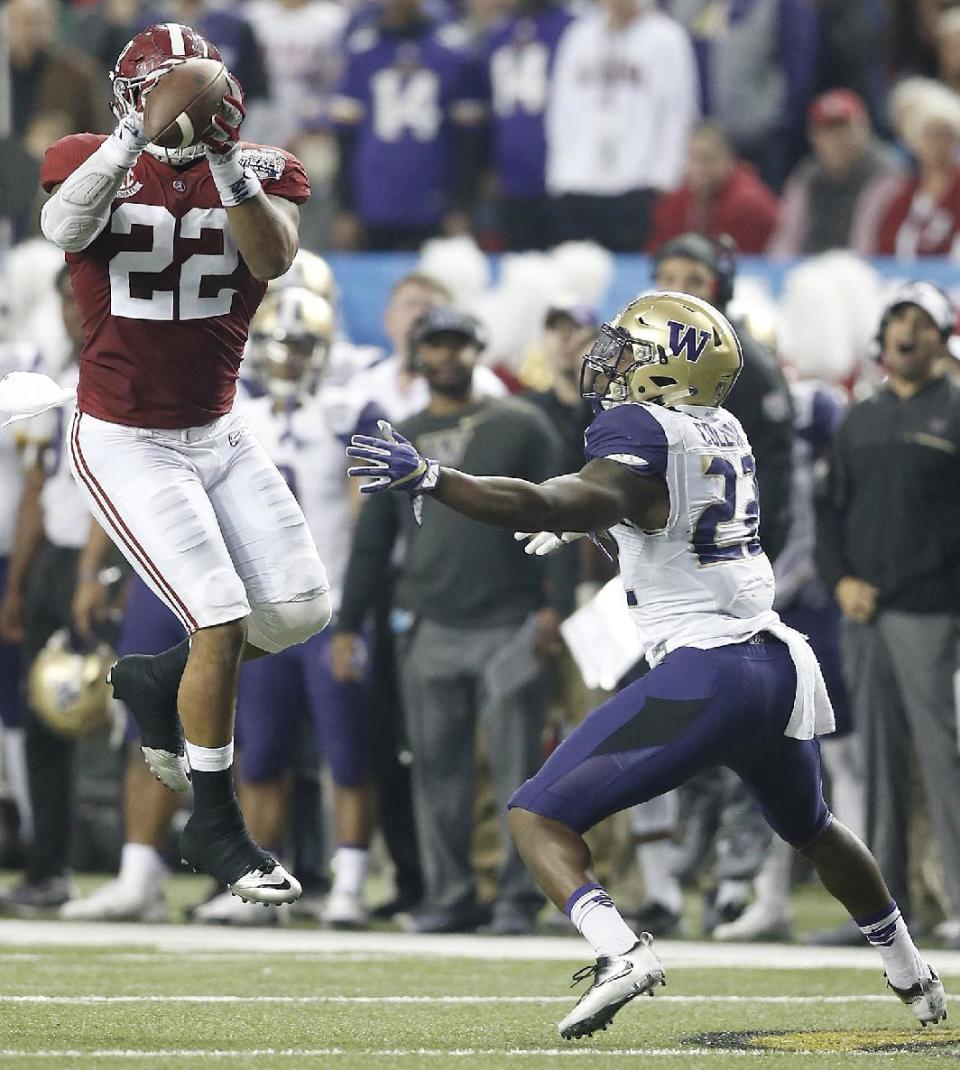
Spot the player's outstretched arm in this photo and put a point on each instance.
(264, 228)
(601, 494)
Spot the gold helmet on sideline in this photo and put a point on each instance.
(290, 339)
(308, 272)
(665, 347)
(67, 688)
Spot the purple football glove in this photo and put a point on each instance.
(393, 463)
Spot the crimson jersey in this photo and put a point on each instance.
(165, 297)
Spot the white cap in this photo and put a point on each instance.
(930, 298)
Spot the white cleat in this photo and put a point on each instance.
(757, 922)
(344, 910)
(269, 883)
(227, 909)
(617, 980)
(926, 998)
(169, 768)
(119, 900)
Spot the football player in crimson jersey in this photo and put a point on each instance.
(170, 252)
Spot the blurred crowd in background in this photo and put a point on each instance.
(529, 122)
(688, 130)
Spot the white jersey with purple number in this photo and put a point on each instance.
(307, 446)
(703, 579)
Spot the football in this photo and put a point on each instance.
(179, 108)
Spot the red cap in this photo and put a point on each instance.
(835, 106)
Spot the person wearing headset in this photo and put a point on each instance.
(888, 546)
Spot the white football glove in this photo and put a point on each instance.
(127, 141)
(545, 542)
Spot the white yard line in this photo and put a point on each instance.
(442, 1053)
(192, 939)
(150, 998)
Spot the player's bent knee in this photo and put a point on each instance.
(225, 596)
(273, 626)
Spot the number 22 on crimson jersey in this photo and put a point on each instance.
(165, 296)
(196, 287)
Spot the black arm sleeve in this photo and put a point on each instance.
(831, 503)
(369, 565)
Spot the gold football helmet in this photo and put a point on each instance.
(68, 689)
(290, 339)
(665, 347)
(308, 272)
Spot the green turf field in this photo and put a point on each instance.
(132, 999)
(369, 1011)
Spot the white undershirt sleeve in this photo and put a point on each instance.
(79, 210)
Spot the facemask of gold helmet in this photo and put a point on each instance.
(67, 687)
(664, 347)
(290, 339)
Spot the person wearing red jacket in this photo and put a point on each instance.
(720, 194)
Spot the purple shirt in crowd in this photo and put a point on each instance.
(517, 61)
(402, 93)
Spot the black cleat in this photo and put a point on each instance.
(153, 703)
(218, 843)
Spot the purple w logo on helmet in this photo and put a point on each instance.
(687, 340)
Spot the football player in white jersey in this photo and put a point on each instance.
(671, 475)
(303, 420)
